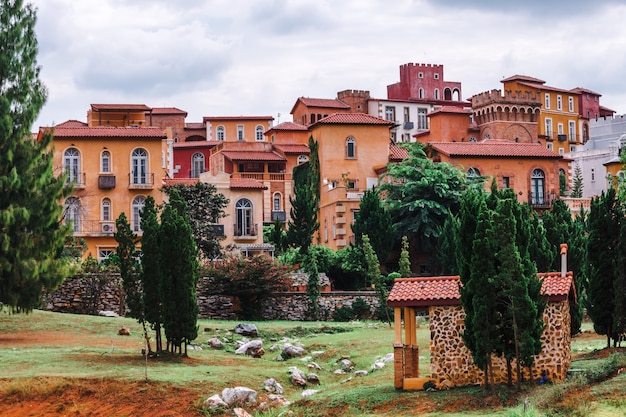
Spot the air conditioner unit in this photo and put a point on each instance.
(107, 228)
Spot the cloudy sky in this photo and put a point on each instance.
(256, 57)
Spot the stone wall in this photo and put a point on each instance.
(92, 293)
(451, 362)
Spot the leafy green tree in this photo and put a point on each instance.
(446, 253)
(348, 270)
(251, 280)
(421, 194)
(376, 278)
(276, 235)
(179, 270)
(303, 223)
(405, 261)
(150, 269)
(373, 220)
(31, 238)
(577, 188)
(313, 286)
(205, 207)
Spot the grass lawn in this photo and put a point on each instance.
(62, 364)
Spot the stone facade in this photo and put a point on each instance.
(92, 293)
(451, 362)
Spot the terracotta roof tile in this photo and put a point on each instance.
(495, 148)
(425, 291)
(581, 90)
(555, 287)
(252, 156)
(353, 119)
(293, 149)
(288, 126)
(194, 125)
(168, 110)
(72, 123)
(518, 77)
(181, 181)
(397, 153)
(109, 132)
(323, 102)
(450, 110)
(242, 118)
(197, 144)
(120, 107)
(246, 183)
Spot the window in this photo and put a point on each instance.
(136, 207)
(243, 216)
(390, 113)
(350, 148)
(72, 213)
(221, 133)
(572, 148)
(260, 137)
(559, 102)
(71, 164)
(302, 159)
(559, 128)
(420, 93)
(536, 187)
(105, 161)
(104, 253)
(473, 173)
(549, 128)
(106, 209)
(325, 230)
(407, 115)
(277, 201)
(436, 76)
(571, 103)
(547, 101)
(572, 130)
(420, 75)
(393, 137)
(593, 174)
(407, 137)
(436, 94)
(549, 146)
(506, 182)
(139, 166)
(421, 119)
(472, 139)
(561, 151)
(197, 164)
(240, 132)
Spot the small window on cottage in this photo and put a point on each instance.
(350, 148)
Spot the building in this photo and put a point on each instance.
(114, 164)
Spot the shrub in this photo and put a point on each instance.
(360, 308)
(343, 313)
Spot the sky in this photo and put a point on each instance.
(256, 57)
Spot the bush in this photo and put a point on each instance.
(343, 313)
(360, 308)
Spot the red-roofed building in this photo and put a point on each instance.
(451, 362)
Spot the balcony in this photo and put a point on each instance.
(245, 233)
(408, 125)
(78, 180)
(94, 227)
(139, 181)
(263, 176)
(279, 215)
(541, 201)
(106, 182)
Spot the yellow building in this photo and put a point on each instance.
(114, 165)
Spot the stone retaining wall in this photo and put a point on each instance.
(91, 293)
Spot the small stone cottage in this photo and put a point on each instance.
(451, 361)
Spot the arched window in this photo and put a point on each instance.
(302, 159)
(243, 216)
(106, 209)
(197, 164)
(139, 167)
(221, 133)
(137, 206)
(260, 137)
(72, 213)
(71, 164)
(277, 201)
(473, 173)
(537, 183)
(350, 148)
(105, 161)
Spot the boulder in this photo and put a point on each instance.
(214, 402)
(308, 392)
(313, 379)
(314, 365)
(346, 365)
(239, 396)
(240, 412)
(215, 343)
(253, 348)
(360, 373)
(124, 331)
(247, 330)
(271, 385)
(274, 401)
(291, 351)
(108, 313)
(298, 378)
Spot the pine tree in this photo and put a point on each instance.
(313, 285)
(303, 223)
(150, 269)
(446, 253)
(405, 261)
(577, 189)
(375, 277)
(32, 237)
(179, 269)
(126, 252)
(373, 220)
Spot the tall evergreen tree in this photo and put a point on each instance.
(446, 253)
(150, 269)
(179, 269)
(540, 250)
(577, 188)
(313, 285)
(32, 237)
(303, 223)
(373, 220)
(314, 169)
(375, 277)
(405, 261)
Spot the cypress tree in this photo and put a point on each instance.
(375, 277)
(313, 285)
(446, 255)
(32, 237)
(126, 252)
(303, 223)
(150, 269)
(405, 261)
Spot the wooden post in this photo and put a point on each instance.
(397, 322)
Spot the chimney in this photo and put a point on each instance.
(563, 260)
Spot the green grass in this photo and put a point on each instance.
(77, 346)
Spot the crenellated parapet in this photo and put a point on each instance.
(495, 96)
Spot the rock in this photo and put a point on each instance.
(388, 358)
(298, 378)
(346, 380)
(215, 343)
(271, 385)
(214, 402)
(346, 365)
(308, 392)
(445, 384)
(314, 365)
(360, 373)
(240, 412)
(313, 379)
(317, 353)
(253, 348)
(247, 330)
(339, 372)
(291, 351)
(124, 331)
(239, 396)
(378, 365)
(274, 401)
(108, 313)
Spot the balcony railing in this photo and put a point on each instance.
(93, 227)
(141, 181)
(249, 232)
(541, 201)
(79, 180)
(263, 176)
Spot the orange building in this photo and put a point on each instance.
(114, 165)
